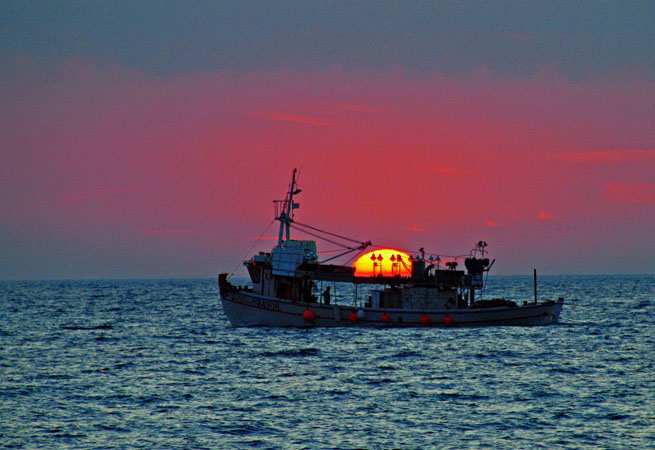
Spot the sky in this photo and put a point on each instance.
(149, 139)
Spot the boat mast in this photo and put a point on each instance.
(285, 216)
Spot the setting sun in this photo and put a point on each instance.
(387, 262)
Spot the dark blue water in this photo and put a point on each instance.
(154, 364)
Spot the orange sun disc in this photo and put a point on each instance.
(387, 262)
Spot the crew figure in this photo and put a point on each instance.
(326, 295)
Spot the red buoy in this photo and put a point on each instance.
(308, 315)
(385, 318)
(447, 320)
(353, 317)
(425, 320)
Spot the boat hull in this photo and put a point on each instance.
(244, 308)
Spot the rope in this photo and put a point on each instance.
(484, 285)
(357, 255)
(330, 251)
(261, 236)
(318, 236)
(327, 232)
(418, 251)
(359, 242)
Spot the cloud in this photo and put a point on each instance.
(545, 216)
(415, 229)
(491, 224)
(630, 193)
(607, 156)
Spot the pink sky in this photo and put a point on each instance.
(115, 172)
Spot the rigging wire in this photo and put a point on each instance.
(359, 242)
(300, 171)
(261, 236)
(418, 251)
(330, 251)
(484, 285)
(299, 226)
(318, 236)
(327, 232)
(363, 246)
(356, 256)
(406, 267)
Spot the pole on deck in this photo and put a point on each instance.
(535, 285)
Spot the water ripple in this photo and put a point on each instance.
(154, 364)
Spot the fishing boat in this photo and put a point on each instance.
(290, 287)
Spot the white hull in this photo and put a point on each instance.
(248, 309)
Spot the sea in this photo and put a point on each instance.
(154, 364)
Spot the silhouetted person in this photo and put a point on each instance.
(326, 295)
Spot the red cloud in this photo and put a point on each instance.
(632, 193)
(607, 156)
(543, 215)
(415, 229)
(491, 224)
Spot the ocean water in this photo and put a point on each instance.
(155, 364)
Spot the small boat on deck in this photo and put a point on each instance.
(284, 281)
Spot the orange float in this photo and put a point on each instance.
(308, 315)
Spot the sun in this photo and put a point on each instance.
(387, 262)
